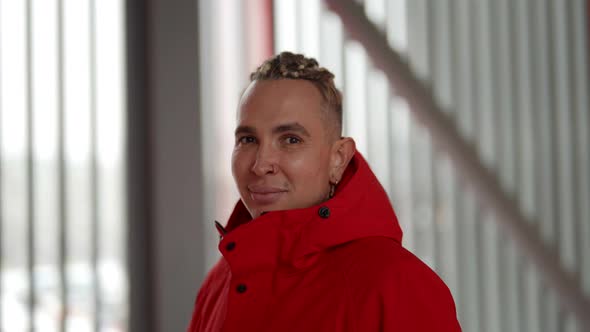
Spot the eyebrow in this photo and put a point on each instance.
(245, 130)
(295, 127)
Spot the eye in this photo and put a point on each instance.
(292, 140)
(246, 140)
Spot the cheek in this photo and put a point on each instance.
(309, 167)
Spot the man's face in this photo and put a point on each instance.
(281, 158)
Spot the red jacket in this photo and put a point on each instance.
(338, 266)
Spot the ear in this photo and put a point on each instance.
(342, 152)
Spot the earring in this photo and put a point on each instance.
(332, 188)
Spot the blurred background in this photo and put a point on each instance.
(116, 130)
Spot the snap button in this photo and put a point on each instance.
(324, 212)
(230, 246)
(241, 288)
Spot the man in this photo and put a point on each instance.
(313, 244)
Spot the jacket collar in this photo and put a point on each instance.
(360, 208)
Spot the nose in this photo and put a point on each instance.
(266, 161)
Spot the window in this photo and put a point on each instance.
(62, 169)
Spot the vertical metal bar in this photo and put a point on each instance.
(95, 179)
(31, 215)
(62, 176)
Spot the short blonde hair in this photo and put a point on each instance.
(287, 65)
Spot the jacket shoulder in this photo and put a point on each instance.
(386, 260)
(209, 296)
(387, 280)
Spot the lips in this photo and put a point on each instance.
(265, 195)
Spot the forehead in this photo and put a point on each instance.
(275, 101)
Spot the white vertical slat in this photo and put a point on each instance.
(464, 67)
(444, 72)
(508, 159)
(285, 23)
(399, 126)
(551, 311)
(378, 127)
(14, 166)
(45, 116)
(531, 283)
(486, 108)
(443, 68)
(309, 27)
(355, 95)
(568, 131)
(397, 25)
(467, 298)
(378, 111)
(208, 84)
(563, 117)
(401, 171)
(332, 45)
(563, 113)
(468, 301)
(222, 79)
(522, 46)
(543, 98)
(78, 125)
(527, 280)
(376, 11)
(544, 146)
(420, 143)
(110, 124)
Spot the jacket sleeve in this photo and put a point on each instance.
(405, 295)
(210, 300)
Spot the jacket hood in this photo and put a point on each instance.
(360, 208)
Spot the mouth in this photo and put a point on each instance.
(266, 195)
